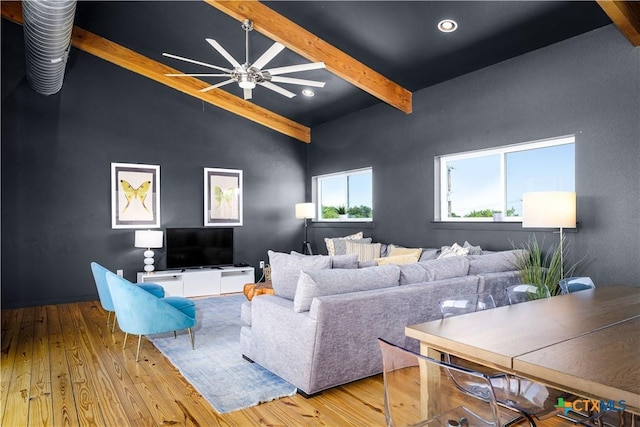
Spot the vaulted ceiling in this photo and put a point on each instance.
(375, 51)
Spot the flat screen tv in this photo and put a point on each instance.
(199, 247)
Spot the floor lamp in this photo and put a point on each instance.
(550, 209)
(306, 211)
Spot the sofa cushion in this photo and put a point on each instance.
(331, 282)
(337, 261)
(285, 270)
(365, 251)
(495, 262)
(397, 259)
(344, 261)
(330, 242)
(413, 273)
(439, 269)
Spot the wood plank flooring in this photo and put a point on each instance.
(62, 366)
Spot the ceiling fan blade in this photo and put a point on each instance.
(280, 90)
(268, 55)
(248, 93)
(226, 82)
(290, 80)
(224, 53)
(197, 75)
(193, 61)
(296, 68)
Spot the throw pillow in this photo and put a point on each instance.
(285, 270)
(473, 250)
(332, 282)
(397, 259)
(453, 250)
(340, 245)
(365, 251)
(397, 250)
(330, 242)
(429, 253)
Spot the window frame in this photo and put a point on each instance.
(346, 174)
(440, 174)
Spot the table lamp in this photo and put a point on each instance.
(553, 209)
(148, 239)
(306, 211)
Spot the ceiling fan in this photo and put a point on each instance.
(248, 75)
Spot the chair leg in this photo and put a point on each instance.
(108, 317)
(175, 334)
(139, 342)
(124, 341)
(193, 339)
(115, 318)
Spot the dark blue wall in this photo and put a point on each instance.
(56, 156)
(587, 86)
(57, 150)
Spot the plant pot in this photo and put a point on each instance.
(497, 217)
(342, 216)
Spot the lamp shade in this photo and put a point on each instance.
(549, 209)
(148, 239)
(305, 210)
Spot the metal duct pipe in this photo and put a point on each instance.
(47, 36)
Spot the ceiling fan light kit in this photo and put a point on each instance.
(249, 75)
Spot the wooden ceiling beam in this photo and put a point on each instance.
(132, 61)
(280, 29)
(626, 16)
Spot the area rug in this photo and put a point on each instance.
(216, 367)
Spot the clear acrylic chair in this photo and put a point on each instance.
(463, 304)
(575, 284)
(526, 292)
(421, 391)
(529, 399)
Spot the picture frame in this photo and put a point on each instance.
(222, 197)
(135, 195)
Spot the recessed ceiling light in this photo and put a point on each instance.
(308, 92)
(447, 25)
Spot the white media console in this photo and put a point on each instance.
(195, 282)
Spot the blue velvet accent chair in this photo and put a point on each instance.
(100, 277)
(575, 284)
(140, 313)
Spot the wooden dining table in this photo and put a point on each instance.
(586, 343)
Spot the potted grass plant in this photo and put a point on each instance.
(539, 267)
(342, 211)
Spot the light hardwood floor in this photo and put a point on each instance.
(62, 366)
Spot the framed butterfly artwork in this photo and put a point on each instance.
(222, 197)
(135, 195)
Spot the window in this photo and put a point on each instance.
(472, 186)
(345, 196)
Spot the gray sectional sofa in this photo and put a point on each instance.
(320, 329)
